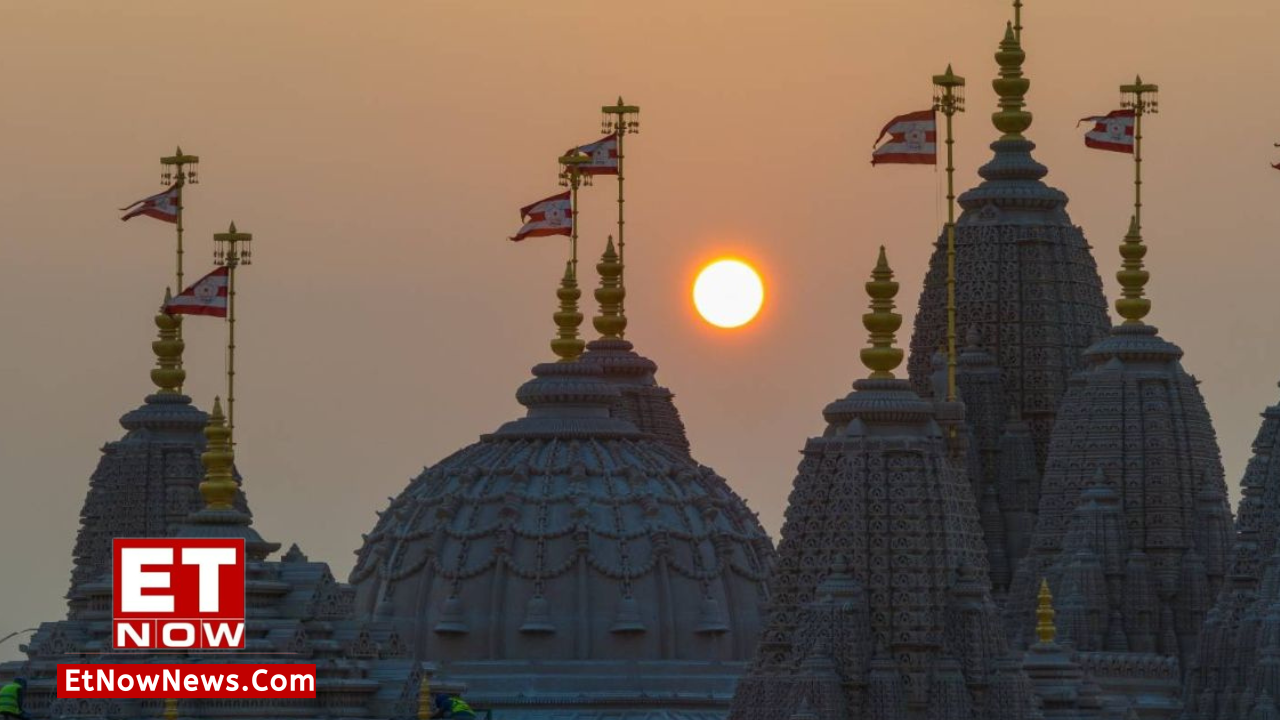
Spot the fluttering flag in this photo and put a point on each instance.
(163, 206)
(603, 154)
(1113, 131)
(208, 296)
(550, 216)
(913, 140)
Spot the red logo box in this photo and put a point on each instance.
(178, 593)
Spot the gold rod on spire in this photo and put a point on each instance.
(231, 250)
(1141, 98)
(949, 100)
(1132, 306)
(168, 374)
(620, 120)
(219, 485)
(424, 697)
(171, 709)
(567, 345)
(573, 177)
(882, 322)
(1017, 19)
(1045, 629)
(612, 320)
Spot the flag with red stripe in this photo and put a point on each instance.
(208, 296)
(603, 154)
(162, 206)
(549, 216)
(913, 140)
(1113, 131)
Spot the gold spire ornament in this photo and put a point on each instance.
(424, 697)
(948, 98)
(572, 176)
(231, 250)
(882, 322)
(1045, 629)
(1132, 306)
(1012, 119)
(179, 169)
(567, 345)
(168, 374)
(612, 320)
(171, 709)
(1141, 98)
(620, 120)
(219, 486)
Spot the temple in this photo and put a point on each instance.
(576, 562)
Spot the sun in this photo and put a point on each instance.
(728, 293)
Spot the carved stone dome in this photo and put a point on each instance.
(566, 540)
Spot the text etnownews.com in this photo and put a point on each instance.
(182, 599)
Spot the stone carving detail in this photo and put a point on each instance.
(1237, 670)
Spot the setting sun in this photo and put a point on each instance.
(728, 293)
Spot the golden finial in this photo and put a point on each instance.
(611, 322)
(1012, 87)
(219, 486)
(171, 704)
(567, 345)
(1045, 629)
(168, 374)
(882, 322)
(1133, 278)
(424, 697)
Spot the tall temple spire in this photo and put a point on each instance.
(168, 374)
(219, 486)
(1011, 86)
(1132, 306)
(567, 345)
(612, 320)
(882, 322)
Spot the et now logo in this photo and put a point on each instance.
(178, 593)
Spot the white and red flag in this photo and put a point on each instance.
(163, 206)
(1113, 131)
(208, 296)
(550, 216)
(603, 154)
(913, 140)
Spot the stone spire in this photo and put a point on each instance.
(567, 345)
(145, 484)
(855, 629)
(1129, 531)
(1028, 285)
(641, 400)
(1238, 660)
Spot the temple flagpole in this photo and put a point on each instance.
(231, 250)
(1141, 98)
(179, 169)
(620, 119)
(573, 177)
(949, 100)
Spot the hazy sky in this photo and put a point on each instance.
(379, 152)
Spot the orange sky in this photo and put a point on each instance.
(379, 152)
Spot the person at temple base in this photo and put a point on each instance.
(453, 706)
(11, 697)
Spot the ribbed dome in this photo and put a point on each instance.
(570, 539)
